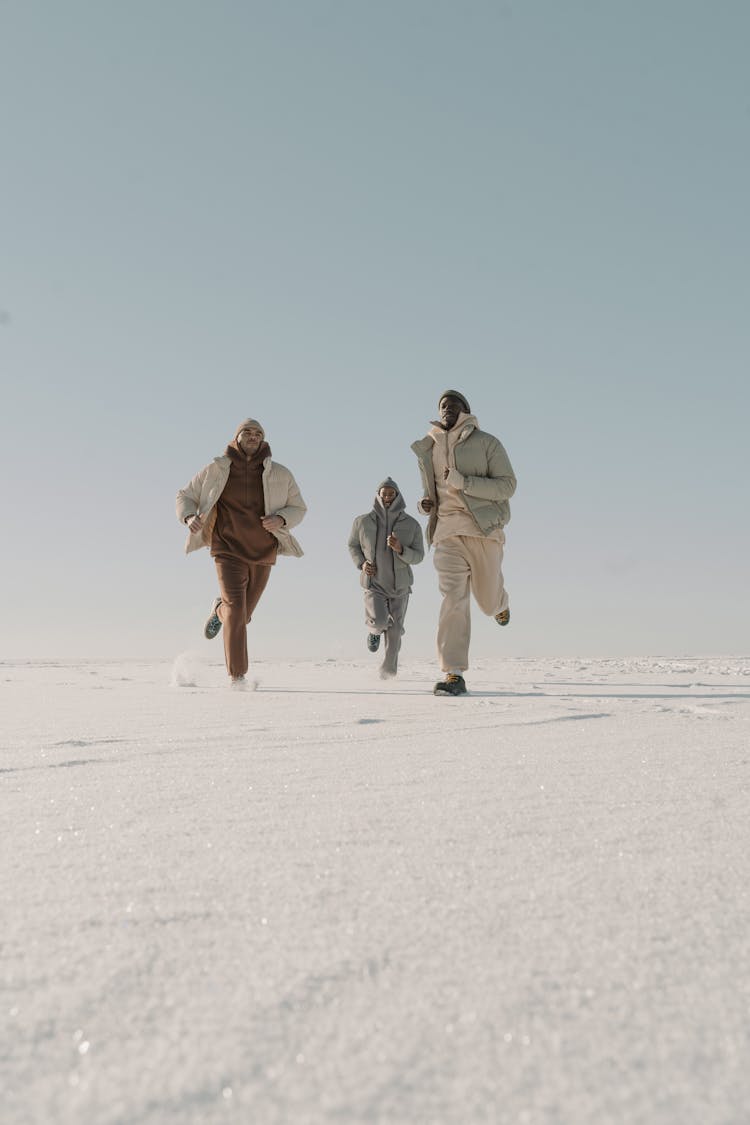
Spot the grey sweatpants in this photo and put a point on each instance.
(466, 565)
(385, 614)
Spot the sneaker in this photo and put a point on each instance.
(213, 624)
(503, 617)
(373, 641)
(386, 674)
(453, 684)
(238, 683)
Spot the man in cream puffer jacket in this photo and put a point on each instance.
(468, 481)
(241, 506)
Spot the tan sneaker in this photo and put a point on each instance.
(453, 684)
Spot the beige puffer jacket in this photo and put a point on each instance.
(489, 480)
(281, 495)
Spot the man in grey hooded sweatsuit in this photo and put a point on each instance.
(384, 543)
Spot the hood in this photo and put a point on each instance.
(462, 422)
(398, 504)
(234, 453)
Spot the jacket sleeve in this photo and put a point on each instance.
(294, 508)
(499, 483)
(355, 546)
(188, 498)
(426, 474)
(413, 551)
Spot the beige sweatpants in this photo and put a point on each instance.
(466, 565)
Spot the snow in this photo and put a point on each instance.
(338, 899)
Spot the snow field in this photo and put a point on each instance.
(337, 899)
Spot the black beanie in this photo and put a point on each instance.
(459, 396)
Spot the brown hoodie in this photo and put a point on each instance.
(238, 531)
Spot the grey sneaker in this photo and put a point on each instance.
(213, 624)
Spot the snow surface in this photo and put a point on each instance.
(337, 899)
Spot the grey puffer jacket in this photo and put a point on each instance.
(364, 539)
(488, 478)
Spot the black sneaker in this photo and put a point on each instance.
(453, 684)
(213, 624)
(503, 617)
(373, 641)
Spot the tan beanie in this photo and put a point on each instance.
(249, 424)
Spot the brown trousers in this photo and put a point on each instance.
(240, 586)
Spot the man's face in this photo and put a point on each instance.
(387, 495)
(250, 440)
(449, 408)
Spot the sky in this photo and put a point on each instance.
(322, 214)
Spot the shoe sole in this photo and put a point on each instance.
(212, 628)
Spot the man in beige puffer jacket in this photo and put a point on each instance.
(468, 481)
(242, 507)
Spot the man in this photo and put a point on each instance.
(242, 507)
(384, 544)
(468, 481)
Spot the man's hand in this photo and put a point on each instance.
(395, 543)
(195, 524)
(369, 568)
(273, 523)
(426, 504)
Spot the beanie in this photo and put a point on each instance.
(456, 394)
(248, 424)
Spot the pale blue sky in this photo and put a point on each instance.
(323, 214)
